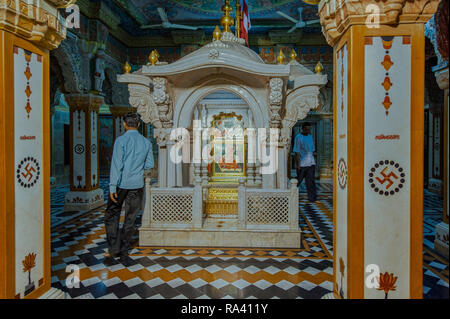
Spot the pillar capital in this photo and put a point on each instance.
(338, 15)
(84, 102)
(36, 21)
(120, 111)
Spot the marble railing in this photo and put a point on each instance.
(172, 207)
(258, 209)
(268, 208)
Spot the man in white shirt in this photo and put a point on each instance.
(304, 154)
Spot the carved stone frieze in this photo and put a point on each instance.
(275, 101)
(36, 21)
(162, 136)
(141, 98)
(298, 104)
(163, 101)
(338, 15)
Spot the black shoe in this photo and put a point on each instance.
(126, 260)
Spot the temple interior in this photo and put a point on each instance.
(376, 99)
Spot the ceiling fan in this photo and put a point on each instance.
(166, 24)
(298, 23)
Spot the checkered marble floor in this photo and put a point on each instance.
(436, 272)
(208, 272)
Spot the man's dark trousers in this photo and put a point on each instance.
(308, 173)
(119, 241)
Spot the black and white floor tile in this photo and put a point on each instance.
(207, 272)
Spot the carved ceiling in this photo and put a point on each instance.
(205, 14)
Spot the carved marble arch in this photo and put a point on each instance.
(184, 108)
(69, 69)
(56, 80)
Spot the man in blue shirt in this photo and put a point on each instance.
(132, 156)
(304, 154)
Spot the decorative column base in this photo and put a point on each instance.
(80, 201)
(441, 239)
(54, 293)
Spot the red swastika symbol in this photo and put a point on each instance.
(342, 171)
(29, 171)
(387, 178)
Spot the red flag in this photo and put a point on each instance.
(246, 25)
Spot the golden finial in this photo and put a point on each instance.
(227, 21)
(127, 67)
(293, 55)
(238, 18)
(217, 34)
(319, 68)
(280, 57)
(153, 58)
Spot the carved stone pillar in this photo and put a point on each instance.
(378, 136)
(85, 193)
(171, 166)
(162, 138)
(28, 30)
(251, 163)
(282, 173)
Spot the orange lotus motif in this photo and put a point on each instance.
(387, 282)
(29, 263)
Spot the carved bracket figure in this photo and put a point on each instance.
(275, 101)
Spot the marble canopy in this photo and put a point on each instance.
(169, 95)
(279, 95)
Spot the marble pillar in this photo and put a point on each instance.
(85, 193)
(378, 153)
(25, 41)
